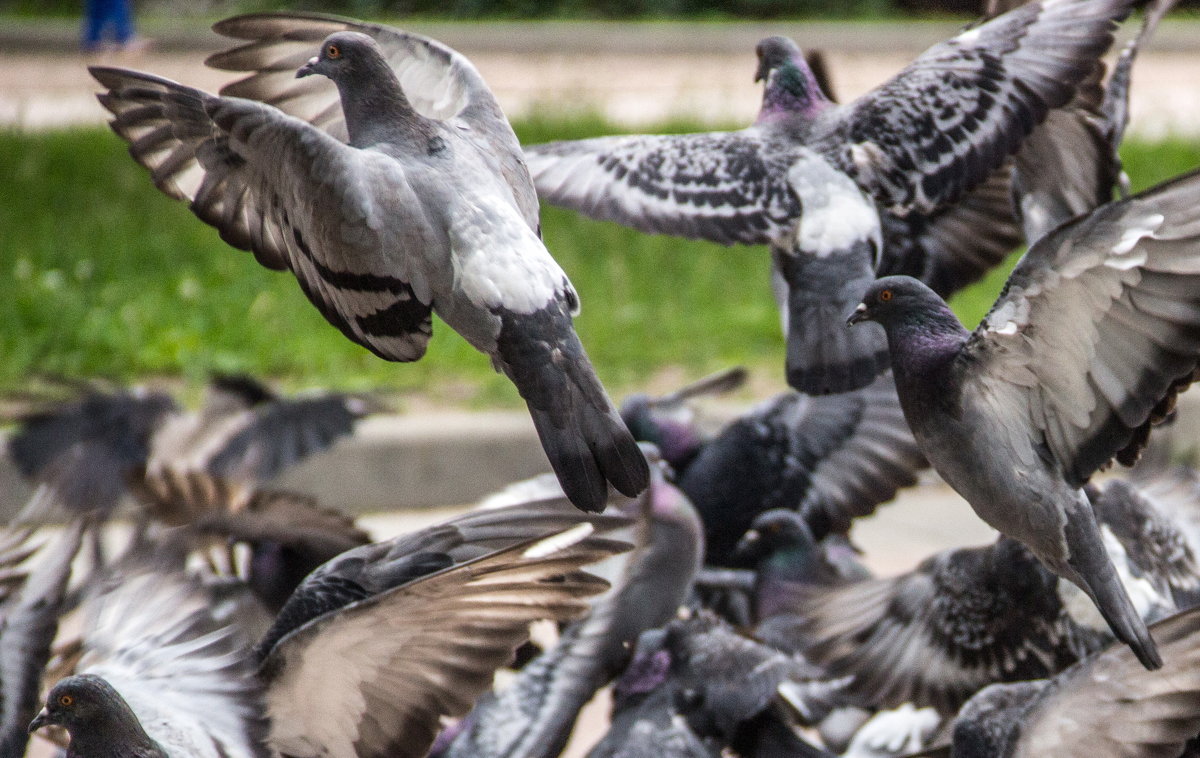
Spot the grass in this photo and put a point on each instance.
(104, 276)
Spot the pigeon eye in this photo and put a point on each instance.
(885, 296)
(333, 51)
(66, 700)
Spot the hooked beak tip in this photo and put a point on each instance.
(39, 721)
(860, 314)
(307, 68)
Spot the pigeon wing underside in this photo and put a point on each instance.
(417, 652)
(296, 197)
(949, 119)
(439, 82)
(1097, 330)
(718, 186)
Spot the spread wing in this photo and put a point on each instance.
(934, 636)
(950, 118)
(727, 187)
(412, 654)
(293, 195)
(865, 465)
(1097, 330)
(439, 82)
(1111, 705)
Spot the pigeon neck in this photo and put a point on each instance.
(119, 736)
(791, 90)
(376, 108)
(924, 343)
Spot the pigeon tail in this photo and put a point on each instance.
(823, 356)
(581, 432)
(1093, 571)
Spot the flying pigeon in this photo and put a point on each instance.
(808, 177)
(397, 209)
(1104, 705)
(832, 458)
(414, 628)
(1096, 331)
(534, 715)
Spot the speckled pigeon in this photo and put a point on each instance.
(1096, 331)
(413, 627)
(1106, 705)
(808, 175)
(962, 619)
(420, 210)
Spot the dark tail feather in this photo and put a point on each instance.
(583, 436)
(824, 356)
(1097, 576)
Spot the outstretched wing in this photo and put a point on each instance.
(1111, 705)
(293, 195)
(949, 119)
(1097, 330)
(439, 82)
(412, 654)
(718, 186)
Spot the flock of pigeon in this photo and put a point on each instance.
(710, 577)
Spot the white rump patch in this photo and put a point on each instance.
(1133, 234)
(969, 36)
(834, 211)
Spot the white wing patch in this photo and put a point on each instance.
(835, 213)
(1132, 235)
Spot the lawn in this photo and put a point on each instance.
(107, 277)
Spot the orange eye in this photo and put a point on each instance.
(66, 700)
(885, 296)
(333, 51)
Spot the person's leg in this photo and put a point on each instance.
(93, 23)
(122, 19)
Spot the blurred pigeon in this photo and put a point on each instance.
(80, 452)
(289, 536)
(1097, 330)
(413, 633)
(419, 210)
(1104, 705)
(246, 431)
(670, 423)
(697, 686)
(807, 176)
(534, 715)
(831, 458)
(28, 625)
(964, 618)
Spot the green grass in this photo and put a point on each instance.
(104, 276)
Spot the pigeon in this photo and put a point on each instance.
(414, 628)
(932, 637)
(1096, 331)
(697, 686)
(809, 177)
(669, 422)
(417, 211)
(1103, 705)
(28, 625)
(534, 715)
(832, 458)
(246, 431)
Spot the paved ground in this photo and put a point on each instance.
(632, 74)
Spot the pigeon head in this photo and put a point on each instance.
(790, 85)
(990, 722)
(98, 719)
(900, 299)
(344, 55)
(771, 531)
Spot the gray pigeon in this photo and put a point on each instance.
(1096, 331)
(413, 214)
(1105, 705)
(808, 175)
(413, 628)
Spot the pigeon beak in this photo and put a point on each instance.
(860, 314)
(761, 73)
(308, 68)
(41, 720)
(747, 548)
